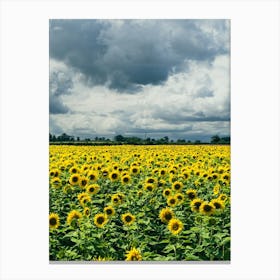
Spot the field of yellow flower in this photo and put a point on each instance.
(139, 203)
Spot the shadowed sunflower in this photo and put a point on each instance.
(93, 176)
(83, 182)
(207, 208)
(223, 197)
(179, 197)
(54, 221)
(191, 194)
(116, 199)
(195, 204)
(109, 211)
(175, 226)
(166, 215)
(73, 217)
(86, 212)
(56, 183)
(128, 219)
(100, 220)
(133, 255)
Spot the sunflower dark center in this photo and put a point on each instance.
(91, 177)
(114, 176)
(191, 195)
(134, 170)
(197, 204)
(168, 216)
(217, 205)
(177, 186)
(74, 170)
(125, 179)
(150, 188)
(75, 179)
(207, 208)
(179, 197)
(84, 182)
(167, 192)
(175, 226)
(116, 199)
(128, 219)
(91, 189)
(109, 211)
(150, 180)
(172, 201)
(87, 212)
(100, 220)
(53, 221)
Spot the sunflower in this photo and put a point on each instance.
(191, 194)
(121, 197)
(222, 197)
(93, 189)
(67, 189)
(128, 219)
(177, 186)
(149, 187)
(172, 201)
(100, 220)
(84, 198)
(74, 170)
(185, 175)
(116, 199)
(134, 170)
(175, 226)
(150, 180)
(105, 173)
(114, 176)
(93, 176)
(218, 204)
(195, 204)
(140, 193)
(133, 255)
(73, 217)
(54, 221)
(179, 197)
(86, 211)
(216, 189)
(162, 172)
(109, 211)
(166, 192)
(83, 182)
(56, 182)
(166, 215)
(74, 179)
(161, 183)
(125, 179)
(207, 208)
(54, 173)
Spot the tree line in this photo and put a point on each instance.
(133, 140)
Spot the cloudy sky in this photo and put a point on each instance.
(150, 78)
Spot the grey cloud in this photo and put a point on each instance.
(127, 54)
(56, 106)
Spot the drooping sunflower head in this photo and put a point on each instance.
(191, 194)
(125, 179)
(73, 217)
(207, 208)
(74, 179)
(218, 204)
(128, 219)
(54, 221)
(167, 192)
(86, 211)
(109, 211)
(100, 220)
(175, 226)
(172, 201)
(166, 215)
(133, 255)
(177, 186)
(92, 189)
(195, 204)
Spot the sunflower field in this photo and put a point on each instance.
(139, 203)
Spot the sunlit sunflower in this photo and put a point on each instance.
(179, 197)
(162, 172)
(177, 186)
(109, 211)
(116, 199)
(134, 170)
(218, 204)
(100, 220)
(83, 182)
(167, 192)
(128, 219)
(92, 189)
(93, 176)
(73, 217)
(175, 226)
(133, 255)
(207, 208)
(185, 175)
(114, 176)
(105, 173)
(172, 201)
(149, 187)
(166, 215)
(125, 179)
(54, 221)
(74, 179)
(86, 211)
(191, 194)
(74, 170)
(56, 183)
(151, 180)
(55, 172)
(195, 204)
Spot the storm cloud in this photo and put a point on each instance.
(144, 78)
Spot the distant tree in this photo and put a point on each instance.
(119, 138)
(78, 138)
(215, 139)
(197, 141)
